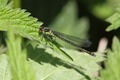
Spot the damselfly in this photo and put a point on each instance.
(75, 41)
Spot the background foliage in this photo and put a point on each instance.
(32, 59)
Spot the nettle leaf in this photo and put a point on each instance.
(116, 45)
(67, 20)
(2, 49)
(115, 18)
(3, 3)
(51, 66)
(112, 70)
(115, 21)
(19, 21)
(4, 68)
(20, 68)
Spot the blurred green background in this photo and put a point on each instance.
(81, 18)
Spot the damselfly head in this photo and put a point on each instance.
(41, 29)
(44, 29)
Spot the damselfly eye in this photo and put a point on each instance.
(41, 29)
(44, 29)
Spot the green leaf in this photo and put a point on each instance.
(49, 65)
(112, 70)
(4, 68)
(115, 18)
(116, 45)
(20, 68)
(115, 4)
(3, 3)
(102, 9)
(20, 22)
(2, 49)
(115, 21)
(66, 18)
